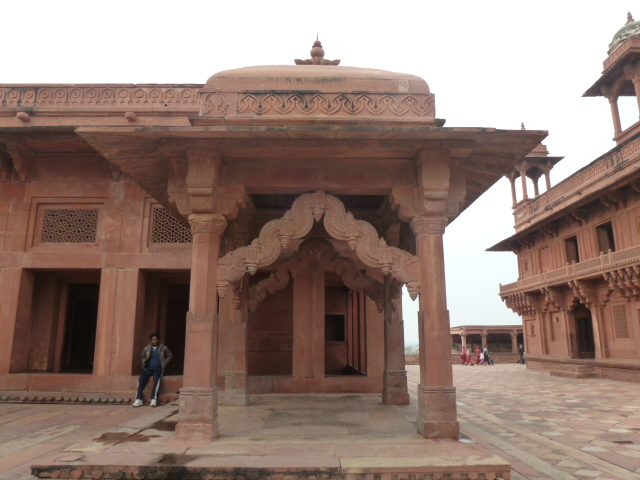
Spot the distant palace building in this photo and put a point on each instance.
(578, 245)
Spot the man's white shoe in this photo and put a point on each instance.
(137, 403)
(154, 403)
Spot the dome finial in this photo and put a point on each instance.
(317, 56)
(629, 18)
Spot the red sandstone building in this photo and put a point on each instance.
(264, 223)
(578, 245)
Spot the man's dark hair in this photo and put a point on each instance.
(154, 335)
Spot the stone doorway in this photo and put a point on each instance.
(165, 312)
(80, 327)
(584, 332)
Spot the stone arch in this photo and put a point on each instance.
(297, 222)
(322, 251)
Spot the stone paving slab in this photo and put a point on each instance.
(545, 427)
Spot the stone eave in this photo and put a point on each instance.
(629, 51)
(136, 150)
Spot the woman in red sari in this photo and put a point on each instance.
(478, 355)
(463, 356)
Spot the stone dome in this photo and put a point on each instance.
(631, 29)
(325, 93)
(321, 78)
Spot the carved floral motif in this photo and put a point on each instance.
(323, 252)
(214, 104)
(364, 104)
(339, 224)
(41, 96)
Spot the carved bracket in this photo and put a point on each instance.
(548, 230)
(552, 297)
(614, 200)
(6, 166)
(325, 255)
(361, 236)
(578, 216)
(626, 281)
(22, 159)
(584, 292)
(521, 303)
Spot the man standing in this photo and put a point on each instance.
(155, 358)
(521, 352)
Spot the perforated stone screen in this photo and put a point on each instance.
(166, 228)
(620, 323)
(69, 226)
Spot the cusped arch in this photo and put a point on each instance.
(297, 222)
(325, 254)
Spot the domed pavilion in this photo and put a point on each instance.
(265, 223)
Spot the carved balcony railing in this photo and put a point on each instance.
(606, 262)
(605, 171)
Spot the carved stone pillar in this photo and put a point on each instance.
(484, 339)
(236, 378)
(198, 418)
(395, 390)
(436, 394)
(615, 113)
(523, 176)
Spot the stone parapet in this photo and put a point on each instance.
(604, 264)
(603, 172)
(100, 96)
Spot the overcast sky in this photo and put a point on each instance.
(490, 64)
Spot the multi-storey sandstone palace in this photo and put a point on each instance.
(578, 245)
(263, 224)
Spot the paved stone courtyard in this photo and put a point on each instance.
(546, 427)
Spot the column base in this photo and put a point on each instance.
(437, 412)
(198, 415)
(395, 391)
(236, 391)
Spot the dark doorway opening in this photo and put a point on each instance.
(584, 332)
(165, 313)
(80, 328)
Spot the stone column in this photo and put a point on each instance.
(16, 295)
(597, 318)
(236, 379)
(514, 342)
(523, 175)
(119, 308)
(615, 113)
(483, 337)
(308, 323)
(436, 394)
(512, 181)
(198, 418)
(395, 390)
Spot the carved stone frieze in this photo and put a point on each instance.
(340, 224)
(98, 96)
(552, 297)
(322, 252)
(351, 104)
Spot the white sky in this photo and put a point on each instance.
(490, 64)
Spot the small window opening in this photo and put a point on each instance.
(606, 241)
(571, 248)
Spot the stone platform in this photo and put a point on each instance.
(297, 436)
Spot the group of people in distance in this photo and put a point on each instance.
(483, 357)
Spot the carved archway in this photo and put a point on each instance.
(323, 252)
(296, 223)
